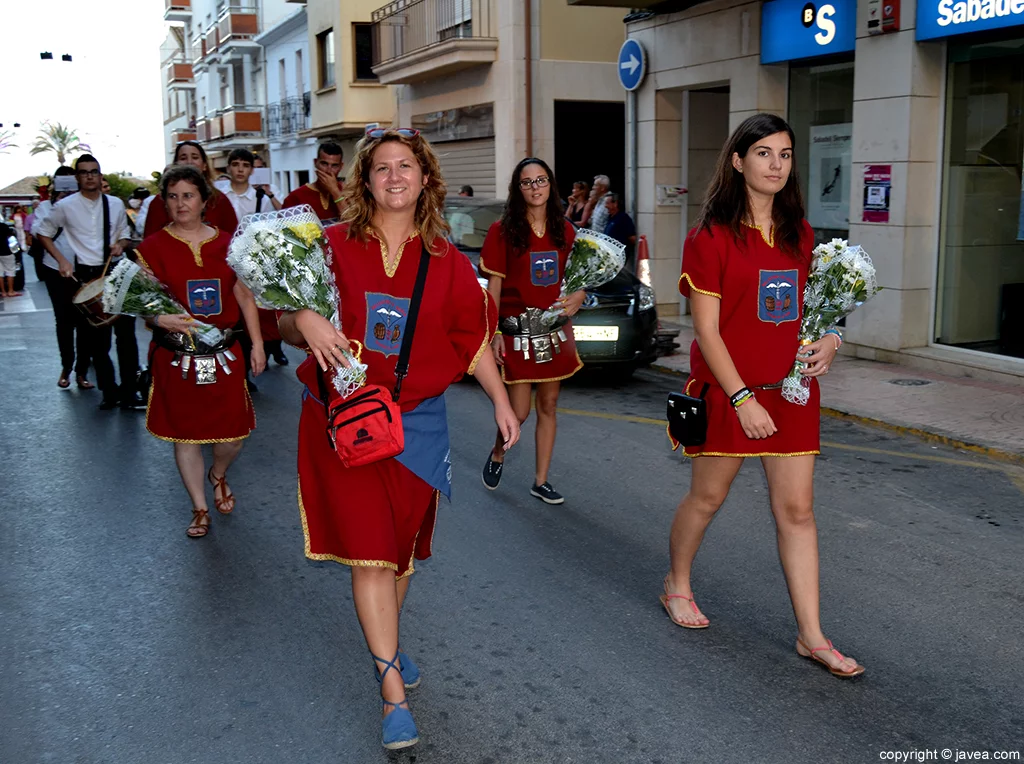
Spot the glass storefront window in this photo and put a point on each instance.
(821, 115)
(980, 297)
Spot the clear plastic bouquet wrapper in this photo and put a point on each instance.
(842, 278)
(595, 260)
(285, 259)
(132, 291)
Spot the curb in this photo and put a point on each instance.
(927, 435)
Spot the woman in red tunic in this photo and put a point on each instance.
(745, 265)
(379, 517)
(524, 254)
(218, 212)
(199, 397)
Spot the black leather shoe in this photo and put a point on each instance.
(134, 402)
(108, 404)
(280, 358)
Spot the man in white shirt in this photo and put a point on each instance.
(81, 217)
(246, 198)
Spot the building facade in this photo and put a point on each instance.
(346, 95)
(221, 66)
(910, 138)
(490, 82)
(291, 149)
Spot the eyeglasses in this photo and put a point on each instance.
(88, 173)
(380, 132)
(541, 182)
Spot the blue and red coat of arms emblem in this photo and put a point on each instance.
(204, 297)
(543, 268)
(777, 297)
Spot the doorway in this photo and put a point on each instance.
(590, 139)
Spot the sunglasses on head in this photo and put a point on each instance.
(380, 132)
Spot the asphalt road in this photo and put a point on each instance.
(538, 629)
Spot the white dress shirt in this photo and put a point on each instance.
(140, 219)
(245, 204)
(82, 221)
(42, 212)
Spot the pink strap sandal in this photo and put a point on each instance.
(806, 652)
(667, 596)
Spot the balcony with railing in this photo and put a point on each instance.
(178, 10)
(240, 120)
(415, 40)
(179, 75)
(288, 117)
(236, 28)
(183, 134)
(199, 52)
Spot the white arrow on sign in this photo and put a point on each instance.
(633, 64)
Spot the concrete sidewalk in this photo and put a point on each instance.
(965, 413)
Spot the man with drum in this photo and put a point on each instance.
(87, 218)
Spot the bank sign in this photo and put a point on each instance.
(945, 18)
(794, 29)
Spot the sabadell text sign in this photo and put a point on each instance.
(945, 18)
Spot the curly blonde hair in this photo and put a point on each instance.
(360, 206)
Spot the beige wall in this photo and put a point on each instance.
(574, 33)
(347, 104)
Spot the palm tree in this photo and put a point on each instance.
(62, 141)
(6, 142)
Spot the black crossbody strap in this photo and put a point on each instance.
(106, 233)
(260, 193)
(402, 367)
(704, 391)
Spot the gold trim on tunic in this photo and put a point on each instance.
(487, 335)
(196, 248)
(391, 270)
(696, 288)
(579, 365)
(212, 441)
(769, 239)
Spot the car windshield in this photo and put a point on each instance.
(470, 219)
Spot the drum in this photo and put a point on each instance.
(89, 300)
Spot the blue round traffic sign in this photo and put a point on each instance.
(632, 64)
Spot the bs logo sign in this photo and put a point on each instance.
(822, 19)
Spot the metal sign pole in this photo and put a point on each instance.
(634, 153)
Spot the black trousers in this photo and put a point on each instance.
(98, 339)
(71, 339)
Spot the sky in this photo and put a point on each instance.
(110, 92)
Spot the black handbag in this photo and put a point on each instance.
(688, 418)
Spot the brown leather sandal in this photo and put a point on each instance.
(63, 383)
(200, 524)
(84, 384)
(226, 504)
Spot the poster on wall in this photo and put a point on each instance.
(828, 181)
(877, 188)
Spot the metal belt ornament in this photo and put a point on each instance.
(533, 336)
(192, 353)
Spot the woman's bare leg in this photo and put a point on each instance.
(519, 397)
(709, 485)
(189, 458)
(377, 601)
(547, 427)
(791, 489)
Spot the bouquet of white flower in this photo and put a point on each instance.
(595, 260)
(842, 278)
(285, 259)
(131, 291)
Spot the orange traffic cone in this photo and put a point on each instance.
(643, 261)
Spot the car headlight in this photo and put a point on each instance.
(646, 298)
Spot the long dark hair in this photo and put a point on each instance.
(208, 171)
(726, 202)
(515, 226)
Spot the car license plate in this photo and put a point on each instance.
(596, 333)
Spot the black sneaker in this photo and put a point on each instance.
(492, 473)
(547, 494)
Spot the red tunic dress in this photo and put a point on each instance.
(310, 194)
(382, 515)
(761, 291)
(219, 213)
(531, 279)
(180, 410)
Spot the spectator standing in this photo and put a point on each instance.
(466, 191)
(19, 225)
(577, 201)
(272, 191)
(8, 264)
(71, 336)
(593, 212)
(324, 194)
(620, 225)
(81, 217)
(245, 197)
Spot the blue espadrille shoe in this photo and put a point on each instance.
(410, 671)
(398, 728)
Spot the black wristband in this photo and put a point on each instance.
(741, 393)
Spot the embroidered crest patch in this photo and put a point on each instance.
(544, 268)
(385, 322)
(777, 300)
(204, 297)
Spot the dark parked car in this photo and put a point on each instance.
(617, 325)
